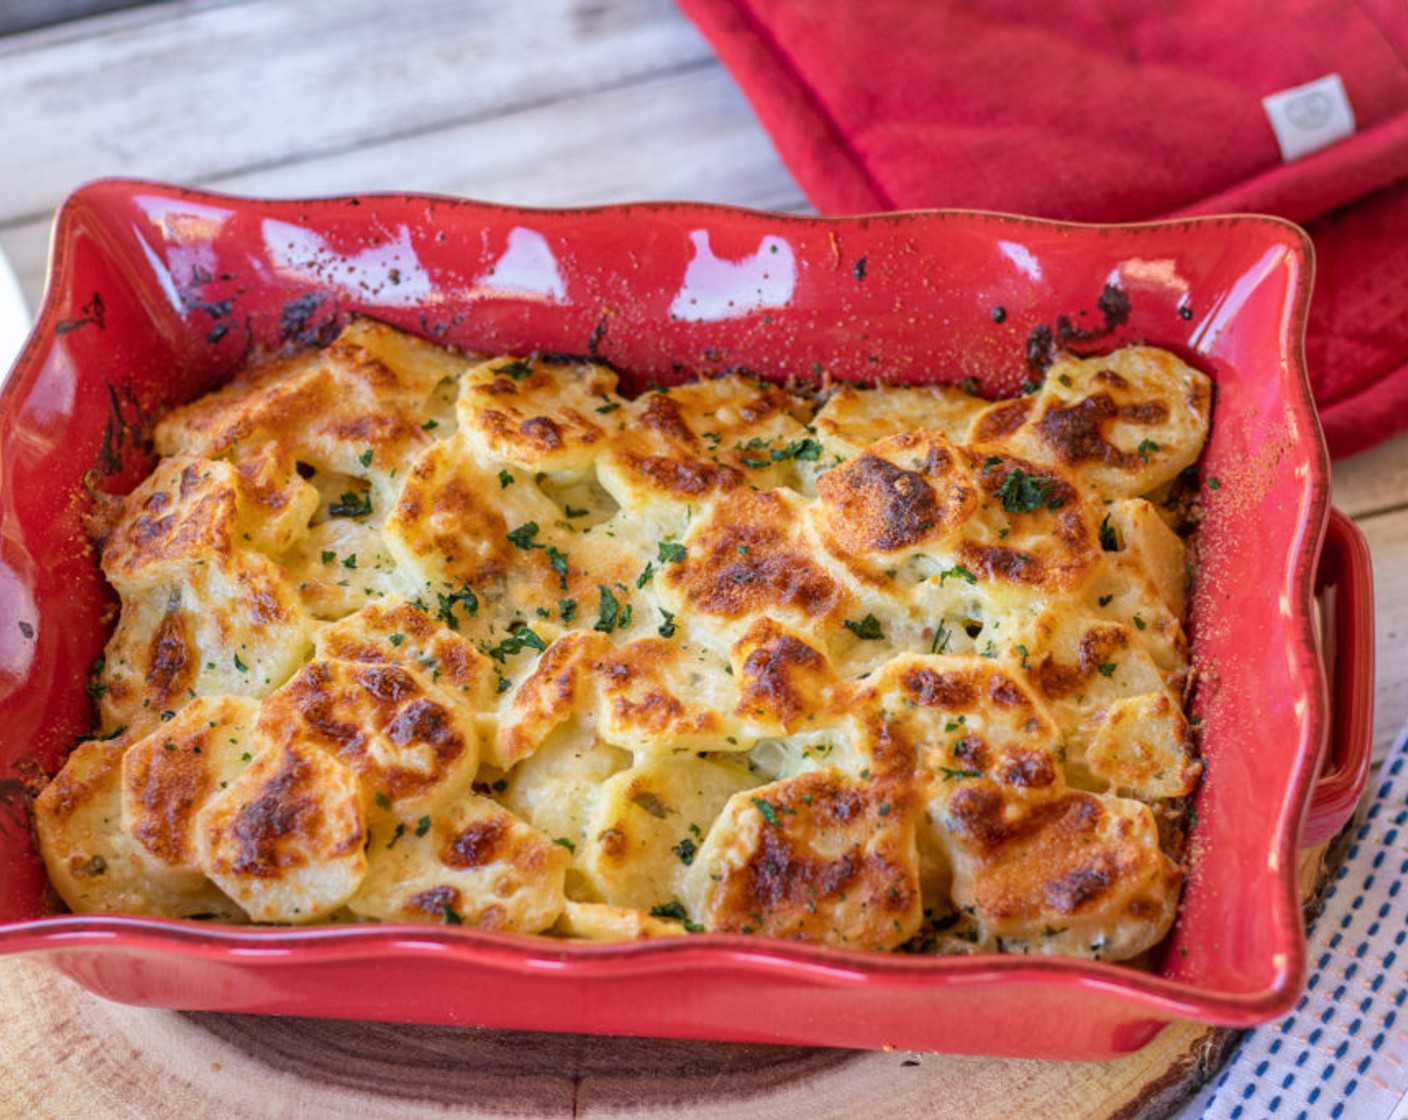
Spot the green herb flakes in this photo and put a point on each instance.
(1109, 542)
(522, 638)
(516, 369)
(1024, 493)
(867, 629)
(958, 571)
(686, 850)
(558, 562)
(352, 504)
(608, 612)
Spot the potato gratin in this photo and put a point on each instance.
(411, 636)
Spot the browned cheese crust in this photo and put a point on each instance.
(418, 637)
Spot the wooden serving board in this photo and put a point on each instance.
(67, 1053)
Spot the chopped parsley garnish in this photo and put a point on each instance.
(567, 608)
(350, 561)
(240, 665)
(448, 911)
(570, 512)
(365, 458)
(352, 504)
(806, 450)
(1107, 668)
(465, 597)
(517, 369)
(521, 639)
(667, 628)
(396, 639)
(609, 612)
(1025, 654)
(1139, 623)
(1145, 447)
(675, 911)
(503, 685)
(765, 810)
(609, 406)
(671, 552)
(941, 636)
(958, 571)
(506, 480)
(562, 841)
(558, 561)
(400, 831)
(1023, 493)
(867, 629)
(329, 556)
(1214, 484)
(1104, 600)
(646, 575)
(686, 849)
(430, 425)
(990, 462)
(747, 461)
(951, 775)
(382, 800)
(1109, 542)
(522, 537)
(422, 826)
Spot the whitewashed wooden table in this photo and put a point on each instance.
(540, 102)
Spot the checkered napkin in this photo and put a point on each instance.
(1343, 1050)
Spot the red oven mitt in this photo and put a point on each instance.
(1109, 111)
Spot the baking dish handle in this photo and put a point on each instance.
(1344, 586)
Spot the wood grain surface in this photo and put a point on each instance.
(84, 1056)
(542, 102)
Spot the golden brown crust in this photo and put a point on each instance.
(411, 636)
(745, 560)
(819, 857)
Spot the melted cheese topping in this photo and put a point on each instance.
(408, 636)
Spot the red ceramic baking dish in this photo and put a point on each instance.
(157, 294)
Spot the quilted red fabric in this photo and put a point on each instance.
(1105, 110)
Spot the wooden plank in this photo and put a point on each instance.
(1375, 481)
(686, 135)
(1388, 544)
(162, 1064)
(209, 91)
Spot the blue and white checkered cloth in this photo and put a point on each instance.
(1343, 1050)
